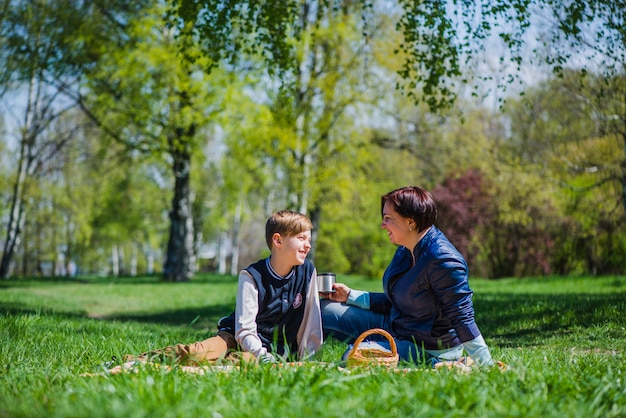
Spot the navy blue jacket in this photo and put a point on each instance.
(281, 305)
(431, 302)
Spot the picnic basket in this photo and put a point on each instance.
(373, 356)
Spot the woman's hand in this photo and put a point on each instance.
(340, 295)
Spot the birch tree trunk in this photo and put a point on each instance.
(26, 158)
(133, 262)
(16, 220)
(221, 253)
(234, 260)
(149, 254)
(115, 261)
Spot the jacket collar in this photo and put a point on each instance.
(425, 241)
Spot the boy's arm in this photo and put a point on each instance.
(246, 310)
(310, 336)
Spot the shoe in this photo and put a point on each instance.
(227, 323)
(110, 363)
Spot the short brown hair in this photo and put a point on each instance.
(414, 203)
(287, 223)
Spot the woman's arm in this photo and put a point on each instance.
(448, 279)
(374, 301)
(479, 352)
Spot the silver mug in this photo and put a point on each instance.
(325, 282)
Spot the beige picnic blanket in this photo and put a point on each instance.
(137, 366)
(465, 365)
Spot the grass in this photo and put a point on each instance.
(564, 339)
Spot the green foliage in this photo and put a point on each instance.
(144, 96)
(465, 206)
(351, 241)
(579, 147)
(435, 37)
(148, 99)
(227, 29)
(562, 338)
(299, 110)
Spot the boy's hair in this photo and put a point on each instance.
(287, 223)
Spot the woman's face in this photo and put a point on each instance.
(396, 225)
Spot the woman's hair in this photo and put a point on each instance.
(414, 203)
(287, 223)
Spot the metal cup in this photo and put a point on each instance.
(325, 282)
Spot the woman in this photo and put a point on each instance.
(427, 303)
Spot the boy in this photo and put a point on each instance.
(277, 309)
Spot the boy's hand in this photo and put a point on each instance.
(340, 295)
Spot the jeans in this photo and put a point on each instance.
(346, 322)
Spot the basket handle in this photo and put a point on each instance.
(392, 342)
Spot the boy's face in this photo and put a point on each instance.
(295, 247)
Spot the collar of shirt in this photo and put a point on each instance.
(276, 275)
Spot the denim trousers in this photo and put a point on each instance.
(346, 322)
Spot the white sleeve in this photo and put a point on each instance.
(479, 352)
(310, 335)
(246, 310)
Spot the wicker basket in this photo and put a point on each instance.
(372, 356)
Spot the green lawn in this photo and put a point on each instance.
(563, 338)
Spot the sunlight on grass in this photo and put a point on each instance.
(564, 340)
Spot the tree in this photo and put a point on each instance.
(438, 37)
(465, 207)
(569, 133)
(298, 136)
(584, 43)
(127, 218)
(30, 60)
(41, 55)
(153, 103)
(224, 29)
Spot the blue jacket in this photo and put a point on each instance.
(431, 302)
(281, 304)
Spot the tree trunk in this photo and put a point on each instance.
(315, 216)
(39, 114)
(13, 231)
(133, 262)
(115, 261)
(16, 214)
(121, 258)
(234, 260)
(180, 257)
(149, 254)
(69, 249)
(221, 253)
(623, 178)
